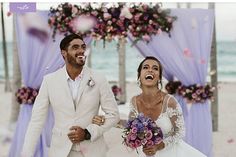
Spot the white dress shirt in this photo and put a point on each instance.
(74, 86)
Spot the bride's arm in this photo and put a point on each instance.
(175, 114)
(133, 108)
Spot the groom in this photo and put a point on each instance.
(75, 94)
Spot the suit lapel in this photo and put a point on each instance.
(83, 83)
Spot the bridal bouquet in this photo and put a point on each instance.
(141, 131)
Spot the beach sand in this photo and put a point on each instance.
(224, 140)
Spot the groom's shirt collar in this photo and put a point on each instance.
(79, 77)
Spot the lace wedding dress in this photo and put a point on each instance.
(172, 124)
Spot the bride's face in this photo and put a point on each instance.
(150, 73)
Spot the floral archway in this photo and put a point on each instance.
(109, 20)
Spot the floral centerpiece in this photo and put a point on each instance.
(141, 131)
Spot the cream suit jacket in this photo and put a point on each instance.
(55, 92)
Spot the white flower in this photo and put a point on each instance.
(91, 82)
(126, 13)
(83, 23)
(95, 5)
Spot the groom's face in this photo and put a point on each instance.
(75, 53)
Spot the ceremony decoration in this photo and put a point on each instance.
(116, 91)
(26, 95)
(193, 93)
(141, 131)
(109, 20)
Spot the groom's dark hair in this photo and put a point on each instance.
(66, 41)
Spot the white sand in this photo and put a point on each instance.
(224, 141)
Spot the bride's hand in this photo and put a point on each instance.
(98, 119)
(160, 146)
(150, 150)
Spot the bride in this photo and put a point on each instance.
(164, 110)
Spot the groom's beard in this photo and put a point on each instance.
(76, 63)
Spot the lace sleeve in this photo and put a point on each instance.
(175, 114)
(133, 109)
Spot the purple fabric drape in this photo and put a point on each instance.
(185, 55)
(37, 58)
(38, 55)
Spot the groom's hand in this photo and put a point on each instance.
(76, 134)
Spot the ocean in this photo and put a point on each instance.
(105, 60)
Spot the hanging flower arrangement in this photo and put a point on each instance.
(109, 20)
(193, 93)
(26, 95)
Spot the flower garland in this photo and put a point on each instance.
(107, 20)
(26, 95)
(194, 93)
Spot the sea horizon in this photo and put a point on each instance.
(226, 56)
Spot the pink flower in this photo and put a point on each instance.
(159, 31)
(150, 29)
(149, 143)
(187, 53)
(133, 136)
(132, 145)
(194, 95)
(9, 14)
(146, 37)
(169, 19)
(52, 20)
(106, 16)
(144, 141)
(136, 17)
(138, 143)
(198, 91)
(202, 61)
(74, 10)
(134, 130)
(155, 16)
(149, 135)
(94, 13)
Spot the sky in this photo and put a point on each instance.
(225, 14)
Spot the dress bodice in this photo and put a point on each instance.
(163, 121)
(170, 120)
